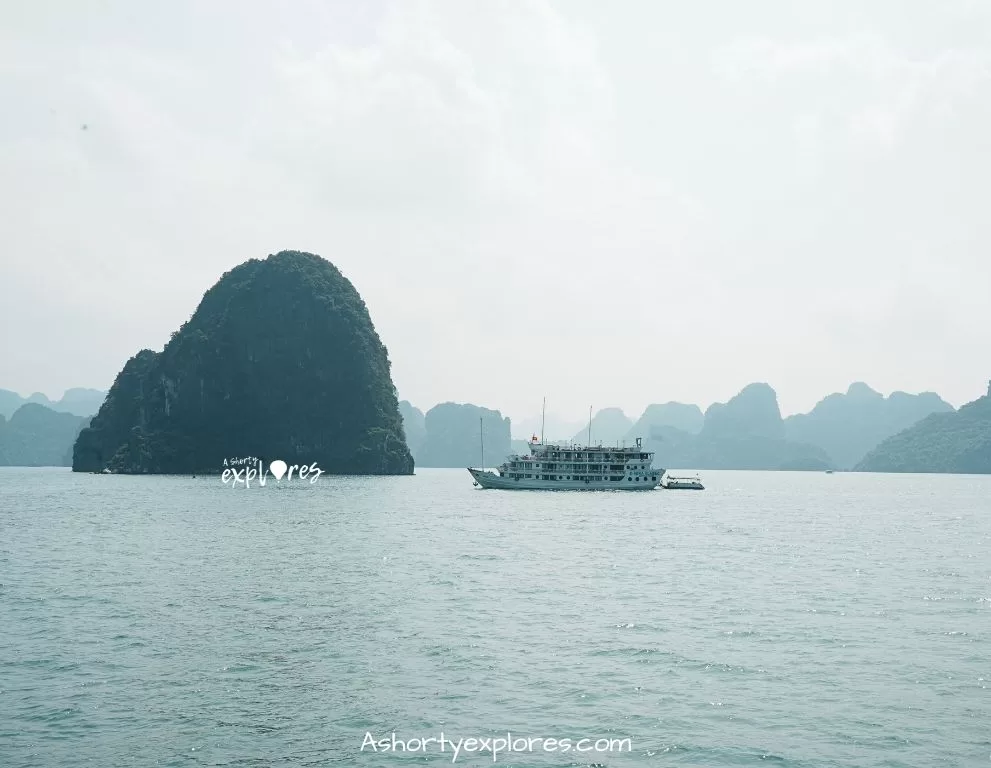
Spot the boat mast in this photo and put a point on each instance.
(481, 440)
(590, 426)
(543, 418)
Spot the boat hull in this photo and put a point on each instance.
(491, 480)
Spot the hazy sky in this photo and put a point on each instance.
(608, 203)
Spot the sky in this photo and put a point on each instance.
(601, 203)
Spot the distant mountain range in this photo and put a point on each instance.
(37, 436)
(526, 427)
(687, 418)
(78, 401)
(849, 425)
(747, 432)
(609, 426)
(451, 435)
(38, 432)
(859, 429)
(956, 441)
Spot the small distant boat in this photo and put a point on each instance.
(682, 484)
(829, 471)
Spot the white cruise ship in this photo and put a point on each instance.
(574, 468)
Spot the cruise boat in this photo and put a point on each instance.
(574, 468)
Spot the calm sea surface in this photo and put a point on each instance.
(787, 618)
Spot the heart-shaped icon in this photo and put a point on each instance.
(278, 468)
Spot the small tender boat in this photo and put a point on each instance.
(682, 484)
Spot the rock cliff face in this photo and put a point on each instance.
(748, 433)
(680, 416)
(80, 401)
(753, 412)
(958, 442)
(414, 426)
(279, 361)
(849, 425)
(453, 438)
(609, 427)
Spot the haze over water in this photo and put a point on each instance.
(802, 619)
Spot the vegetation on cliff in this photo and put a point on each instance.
(414, 426)
(280, 360)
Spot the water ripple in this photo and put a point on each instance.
(778, 618)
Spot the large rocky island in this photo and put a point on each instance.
(279, 361)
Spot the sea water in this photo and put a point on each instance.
(794, 618)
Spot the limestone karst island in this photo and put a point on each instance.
(280, 360)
